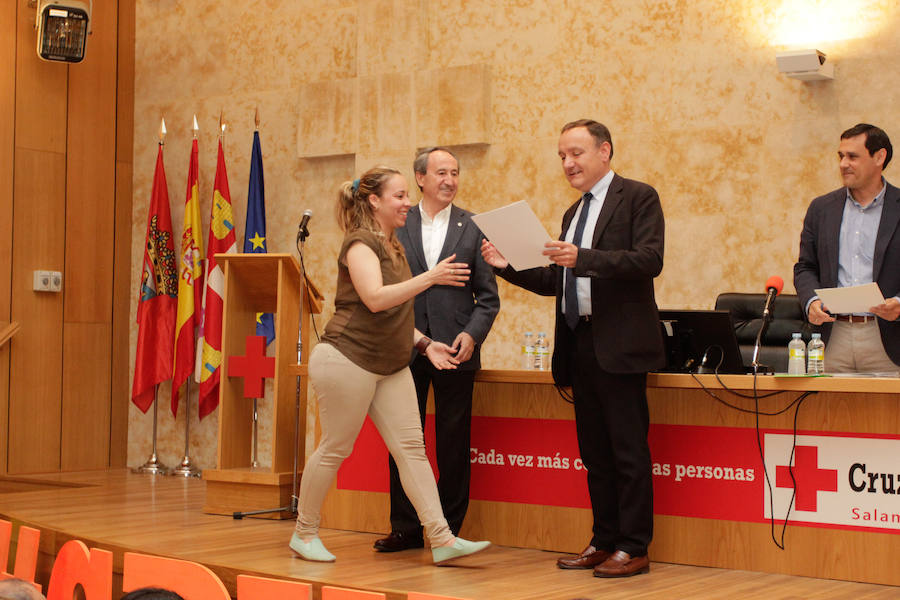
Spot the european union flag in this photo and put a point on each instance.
(255, 230)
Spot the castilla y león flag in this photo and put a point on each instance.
(190, 281)
(221, 240)
(156, 296)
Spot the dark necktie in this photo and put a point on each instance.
(571, 290)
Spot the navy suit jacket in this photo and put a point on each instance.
(817, 266)
(626, 253)
(443, 310)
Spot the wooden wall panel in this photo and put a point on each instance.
(85, 426)
(121, 357)
(125, 87)
(40, 91)
(91, 175)
(65, 161)
(7, 150)
(90, 216)
(36, 354)
(38, 228)
(119, 392)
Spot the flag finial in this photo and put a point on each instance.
(162, 131)
(196, 128)
(222, 122)
(256, 118)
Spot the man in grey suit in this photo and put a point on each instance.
(458, 316)
(851, 236)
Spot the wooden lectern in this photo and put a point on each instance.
(261, 283)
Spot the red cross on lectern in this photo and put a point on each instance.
(255, 367)
(810, 478)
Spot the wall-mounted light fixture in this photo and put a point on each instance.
(805, 65)
(62, 29)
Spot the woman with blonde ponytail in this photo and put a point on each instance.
(360, 367)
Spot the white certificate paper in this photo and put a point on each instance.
(853, 299)
(517, 233)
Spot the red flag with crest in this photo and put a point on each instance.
(156, 296)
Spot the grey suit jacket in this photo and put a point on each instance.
(817, 266)
(442, 310)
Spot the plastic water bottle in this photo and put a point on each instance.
(815, 354)
(796, 355)
(541, 352)
(528, 351)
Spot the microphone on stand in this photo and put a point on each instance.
(302, 231)
(774, 286)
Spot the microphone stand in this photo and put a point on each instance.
(757, 367)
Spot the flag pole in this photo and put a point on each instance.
(153, 466)
(186, 468)
(254, 462)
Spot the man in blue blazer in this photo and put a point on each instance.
(851, 236)
(608, 337)
(458, 316)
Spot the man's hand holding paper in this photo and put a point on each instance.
(517, 236)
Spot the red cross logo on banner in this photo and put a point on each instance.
(254, 367)
(810, 478)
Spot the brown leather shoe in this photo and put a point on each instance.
(589, 558)
(398, 541)
(622, 564)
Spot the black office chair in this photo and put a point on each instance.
(787, 318)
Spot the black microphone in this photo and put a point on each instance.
(774, 284)
(303, 232)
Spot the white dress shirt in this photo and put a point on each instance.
(434, 232)
(583, 284)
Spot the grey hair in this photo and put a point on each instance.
(19, 589)
(420, 164)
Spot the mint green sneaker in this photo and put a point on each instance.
(313, 550)
(445, 554)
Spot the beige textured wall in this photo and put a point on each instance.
(689, 90)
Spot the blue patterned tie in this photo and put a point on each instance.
(571, 290)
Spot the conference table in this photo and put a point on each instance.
(831, 448)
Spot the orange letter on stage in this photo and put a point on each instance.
(262, 588)
(190, 580)
(75, 565)
(26, 552)
(336, 593)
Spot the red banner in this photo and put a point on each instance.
(705, 472)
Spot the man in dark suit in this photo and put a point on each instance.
(607, 338)
(458, 316)
(851, 236)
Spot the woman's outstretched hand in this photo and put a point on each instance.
(448, 272)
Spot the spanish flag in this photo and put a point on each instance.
(190, 281)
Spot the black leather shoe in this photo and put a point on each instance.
(398, 541)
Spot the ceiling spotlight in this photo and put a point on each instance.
(62, 29)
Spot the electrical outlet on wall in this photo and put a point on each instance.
(55, 281)
(47, 281)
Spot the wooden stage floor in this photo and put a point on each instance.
(119, 511)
